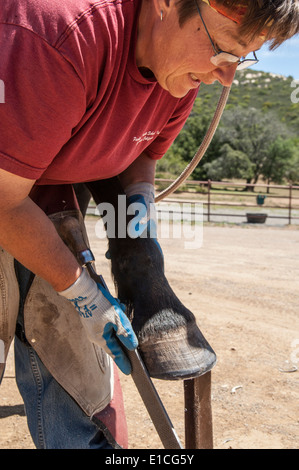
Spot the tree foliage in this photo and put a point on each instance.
(257, 136)
(251, 132)
(230, 164)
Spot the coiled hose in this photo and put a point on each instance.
(202, 148)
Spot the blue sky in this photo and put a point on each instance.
(284, 60)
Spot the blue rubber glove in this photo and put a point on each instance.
(141, 198)
(103, 318)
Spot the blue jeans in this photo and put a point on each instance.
(55, 421)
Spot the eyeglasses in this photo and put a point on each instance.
(224, 59)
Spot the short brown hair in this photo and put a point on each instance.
(280, 18)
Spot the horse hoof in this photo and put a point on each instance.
(175, 351)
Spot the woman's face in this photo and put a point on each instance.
(180, 57)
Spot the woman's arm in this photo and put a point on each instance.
(28, 234)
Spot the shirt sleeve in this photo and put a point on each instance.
(44, 99)
(172, 129)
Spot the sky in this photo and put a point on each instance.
(284, 60)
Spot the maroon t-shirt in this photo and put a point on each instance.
(76, 106)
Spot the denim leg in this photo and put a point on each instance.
(55, 420)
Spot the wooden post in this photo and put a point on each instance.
(198, 413)
(290, 204)
(209, 199)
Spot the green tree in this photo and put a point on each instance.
(231, 164)
(258, 111)
(190, 138)
(278, 160)
(251, 132)
(292, 170)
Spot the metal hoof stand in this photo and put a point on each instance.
(198, 412)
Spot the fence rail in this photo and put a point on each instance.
(209, 193)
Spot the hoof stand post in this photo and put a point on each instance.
(198, 412)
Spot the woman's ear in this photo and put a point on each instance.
(162, 7)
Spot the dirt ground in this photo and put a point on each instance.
(242, 286)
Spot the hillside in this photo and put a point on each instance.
(257, 136)
(261, 90)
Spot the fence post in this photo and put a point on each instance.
(290, 204)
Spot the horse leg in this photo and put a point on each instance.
(170, 342)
